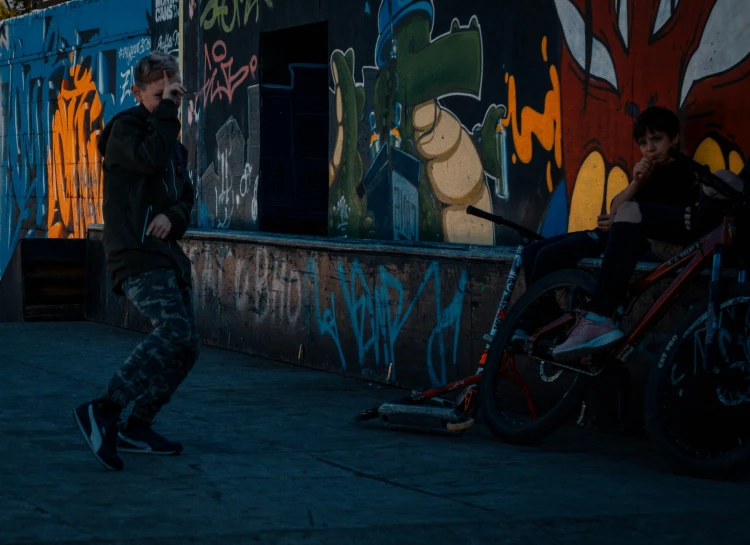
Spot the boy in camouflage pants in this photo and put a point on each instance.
(148, 199)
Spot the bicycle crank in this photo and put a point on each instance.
(424, 418)
(590, 370)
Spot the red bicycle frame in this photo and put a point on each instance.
(469, 384)
(692, 260)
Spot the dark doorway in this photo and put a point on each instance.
(294, 130)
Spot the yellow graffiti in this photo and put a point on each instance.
(589, 191)
(545, 125)
(73, 165)
(709, 153)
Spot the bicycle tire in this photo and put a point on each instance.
(661, 438)
(547, 424)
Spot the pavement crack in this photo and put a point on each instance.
(216, 490)
(47, 512)
(383, 480)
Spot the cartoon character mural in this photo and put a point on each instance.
(422, 167)
(404, 166)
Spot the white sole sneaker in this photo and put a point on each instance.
(599, 344)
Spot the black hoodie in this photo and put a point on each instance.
(143, 177)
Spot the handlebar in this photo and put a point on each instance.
(710, 179)
(521, 230)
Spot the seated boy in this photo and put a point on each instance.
(669, 184)
(657, 205)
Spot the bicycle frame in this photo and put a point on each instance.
(692, 260)
(469, 384)
(510, 286)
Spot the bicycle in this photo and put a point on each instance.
(426, 409)
(697, 416)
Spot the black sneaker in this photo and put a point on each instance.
(100, 435)
(146, 440)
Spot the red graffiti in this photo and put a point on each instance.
(222, 82)
(620, 57)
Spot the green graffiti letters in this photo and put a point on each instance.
(227, 13)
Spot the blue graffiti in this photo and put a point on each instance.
(327, 320)
(377, 315)
(42, 55)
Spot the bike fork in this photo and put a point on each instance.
(712, 317)
(470, 395)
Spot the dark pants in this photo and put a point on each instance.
(551, 255)
(561, 252)
(627, 242)
(158, 365)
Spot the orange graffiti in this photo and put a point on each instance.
(73, 166)
(545, 125)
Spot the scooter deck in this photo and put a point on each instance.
(423, 417)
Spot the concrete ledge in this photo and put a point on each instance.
(351, 308)
(479, 253)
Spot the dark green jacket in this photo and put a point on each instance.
(143, 177)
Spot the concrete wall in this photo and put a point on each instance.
(64, 72)
(523, 107)
(354, 308)
(512, 106)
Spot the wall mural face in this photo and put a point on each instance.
(532, 120)
(61, 80)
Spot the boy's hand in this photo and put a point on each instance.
(604, 222)
(173, 91)
(160, 227)
(643, 169)
(688, 214)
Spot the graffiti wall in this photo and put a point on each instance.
(221, 113)
(350, 312)
(165, 36)
(522, 107)
(64, 72)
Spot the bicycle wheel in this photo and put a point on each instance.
(524, 399)
(699, 420)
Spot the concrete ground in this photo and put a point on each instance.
(272, 456)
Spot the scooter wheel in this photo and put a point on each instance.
(459, 426)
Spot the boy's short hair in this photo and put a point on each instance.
(655, 119)
(151, 67)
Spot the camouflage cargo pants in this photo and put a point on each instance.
(158, 365)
